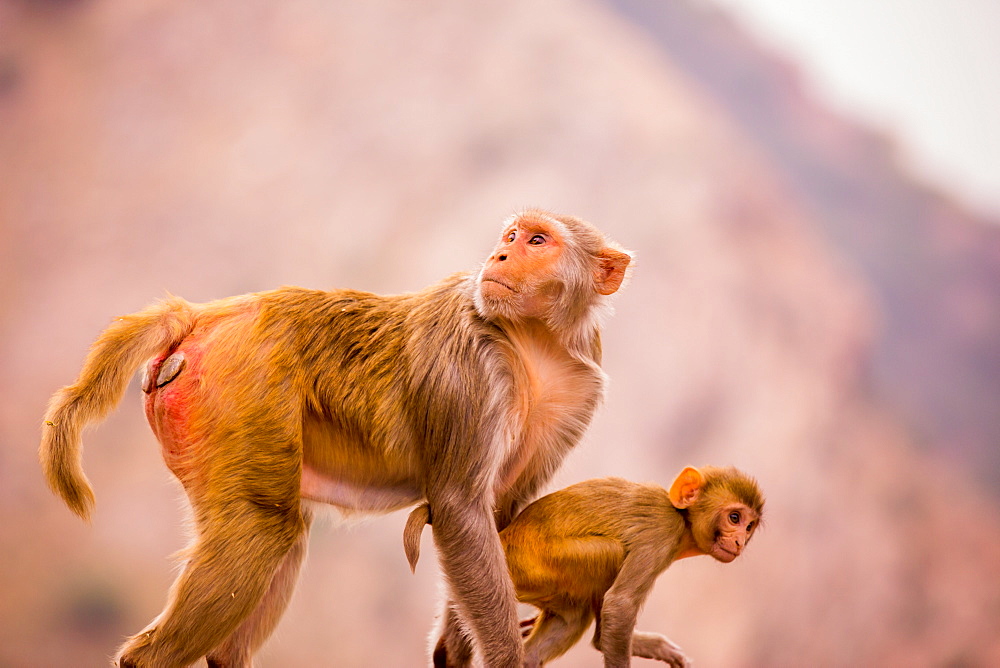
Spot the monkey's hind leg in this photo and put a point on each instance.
(248, 519)
(554, 634)
(236, 651)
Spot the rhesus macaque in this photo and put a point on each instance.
(593, 551)
(466, 395)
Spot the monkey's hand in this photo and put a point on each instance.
(528, 625)
(658, 647)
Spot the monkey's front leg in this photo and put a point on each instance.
(473, 562)
(655, 646)
(620, 609)
(614, 638)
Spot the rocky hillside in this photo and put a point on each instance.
(212, 149)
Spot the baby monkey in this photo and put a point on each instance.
(592, 551)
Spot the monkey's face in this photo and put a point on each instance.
(733, 527)
(521, 277)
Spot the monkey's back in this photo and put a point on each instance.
(291, 358)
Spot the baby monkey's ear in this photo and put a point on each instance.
(686, 487)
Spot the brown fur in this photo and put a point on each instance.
(462, 395)
(594, 550)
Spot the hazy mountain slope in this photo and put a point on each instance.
(215, 149)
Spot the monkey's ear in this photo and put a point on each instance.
(611, 266)
(686, 486)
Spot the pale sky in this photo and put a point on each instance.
(927, 71)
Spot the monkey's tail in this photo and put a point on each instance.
(420, 516)
(112, 361)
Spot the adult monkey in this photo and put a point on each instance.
(467, 394)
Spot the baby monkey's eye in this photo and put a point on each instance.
(734, 517)
(536, 240)
(511, 235)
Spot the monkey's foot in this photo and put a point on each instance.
(140, 651)
(135, 652)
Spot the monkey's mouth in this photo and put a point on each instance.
(724, 555)
(498, 282)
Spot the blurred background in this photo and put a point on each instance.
(812, 197)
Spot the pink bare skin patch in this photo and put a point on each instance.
(172, 382)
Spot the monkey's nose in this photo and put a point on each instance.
(501, 257)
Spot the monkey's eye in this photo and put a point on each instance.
(734, 517)
(536, 240)
(750, 527)
(511, 235)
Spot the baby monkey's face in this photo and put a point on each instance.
(734, 526)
